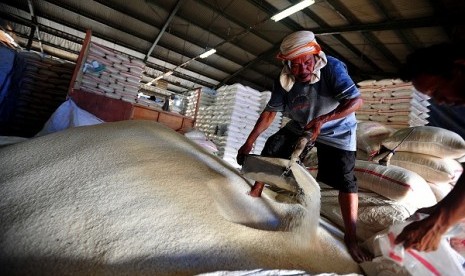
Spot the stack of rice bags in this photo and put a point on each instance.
(370, 135)
(420, 173)
(43, 86)
(235, 112)
(393, 102)
(204, 121)
(387, 195)
(156, 89)
(205, 97)
(112, 73)
(273, 128)
(431, 152)
(424, 165)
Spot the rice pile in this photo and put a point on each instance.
(135, 197)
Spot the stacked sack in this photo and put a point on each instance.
(273, 128)
(387, 195)
(392, 102)
(236, 111)
(431, 152)
(42, 86)
(156, 90)
(206, 110)
(391, 193)
(370, 135)
(204, 121)
(422, 170)
(204, 97)
(111, 73)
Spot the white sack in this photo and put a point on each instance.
(395, 183)
(67, 115)
(440, 190)
(371, 134)
(375, 212)
(431, 168)
(430, 140)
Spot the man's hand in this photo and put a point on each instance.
(314, 126)
(420, 213)
(422, 235)
(346, 107)
(242, 152)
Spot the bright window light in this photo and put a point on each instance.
(297, 7)
(208, 53)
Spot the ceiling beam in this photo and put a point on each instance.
(116, 27)
(225, 55)
(209, 5)
(262, 56)
(167, 23)
(52, 46)
(246, 29)
(47, 29)
(389, 25)
(180, 75)
(380, 6)
(371, 39)
(34, 29)
(340, 38)
(289, 23)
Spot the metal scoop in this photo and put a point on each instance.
(303, 146)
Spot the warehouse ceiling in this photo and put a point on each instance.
(371, 36)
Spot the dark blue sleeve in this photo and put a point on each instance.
(277, 100)
(343, 85)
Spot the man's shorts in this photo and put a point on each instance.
(335, 166)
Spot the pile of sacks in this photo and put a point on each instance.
(202, 97)
(392, 102)
(228, 116)
(430, 152)
(40, 85)
(236, 110)
(415, 167)
(111, 73)
(421, 167)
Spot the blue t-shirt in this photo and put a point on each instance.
(306, 101)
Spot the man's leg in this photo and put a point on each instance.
(257, 189)
(349, 209)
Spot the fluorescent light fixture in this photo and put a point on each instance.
(169, 73)
(208, 53)
(140, 95)
(297, 7)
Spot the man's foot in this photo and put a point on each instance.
(257, 189)
(356, 252)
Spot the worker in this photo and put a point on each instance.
(439, 72)
(317, 94)
(168, 103)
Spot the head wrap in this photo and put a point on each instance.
(295, 45)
